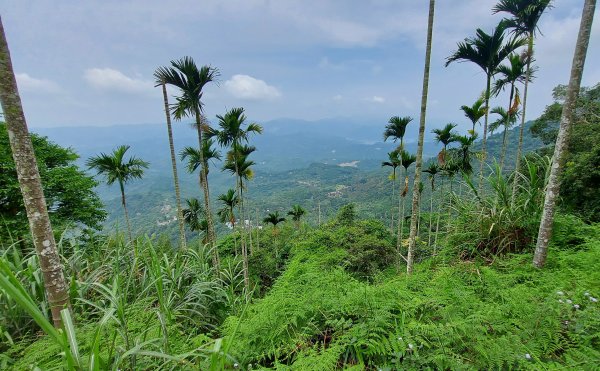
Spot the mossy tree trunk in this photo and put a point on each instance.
(553, 187)
(31, 186)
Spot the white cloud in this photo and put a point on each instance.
(249, 88)
(376, 99)
(111, 79)
(28, 83)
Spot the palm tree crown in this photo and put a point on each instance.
(432, 170)
(393, 162)
(486, 50)
(396, 129)
(475, 112)
(296, 213)
(232, 131)
(194, 157)
(274, 218)
(185, 75)
(229, 200)
(506, 119)
(192, 214)
(512, 73)
(445, 134)
(115, 168)
(525, 14)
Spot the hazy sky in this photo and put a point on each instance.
(91, 62)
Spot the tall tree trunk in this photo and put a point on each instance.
(243, 232)
(182, 241)
(124, 204)
(31, 186)
(204, 180)
(522, 128)
(430, 215)
(506, 124)
(553, 187)
(485, 129)
(439, 214)
(503, 153)
(416, 194)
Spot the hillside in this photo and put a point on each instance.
(297, 162)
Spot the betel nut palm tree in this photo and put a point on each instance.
(523, 21)
(160, 82)
(116, 168)
(297, 213)
(190, 80)
(486, 51)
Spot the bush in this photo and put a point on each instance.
(494, 223)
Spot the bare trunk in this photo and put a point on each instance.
(182, 241)
(506, 124)
(430, 216)
(124, 204)
(416, 194)
(31, 186)
(522, 128)
(439, 215)
(485, 128)
(553, 187)
(204, 180)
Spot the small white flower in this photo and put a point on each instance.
(400, 338)
(566, 322)
(560, 293)
(235, 365)
(586, 293)
(527, 356)
(569, 301)
(593, 299)
(560, 301)
(576, 306)
(410, 346)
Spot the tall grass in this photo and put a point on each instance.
(141, 305)
(494, 223)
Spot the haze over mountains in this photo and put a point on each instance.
(319, 164)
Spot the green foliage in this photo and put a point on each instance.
(144, 305)
(464, 316)
(495, 223)
(582, 163)
(69, 191)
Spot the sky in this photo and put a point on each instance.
(82, 63)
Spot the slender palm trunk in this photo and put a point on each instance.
(31, 186)
(393, 199)
(399, 224)
(182, 241)
(244, 248)
(124, 204)
(553, 187)
(522, 128)
(416, 194)
(257, 231)
(506, 124)
(439, 215)
(430, 214)
(485, 129)
(204, 184)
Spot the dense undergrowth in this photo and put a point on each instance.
(335, 301)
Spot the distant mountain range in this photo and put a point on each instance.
(347, 151)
